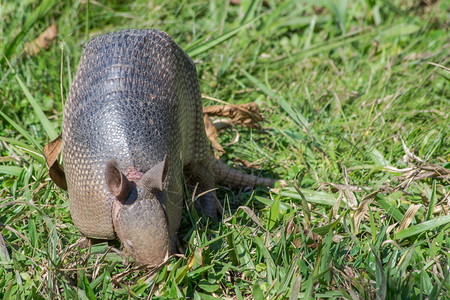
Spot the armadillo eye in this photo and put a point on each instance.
(133, 196)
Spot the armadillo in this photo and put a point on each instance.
(133, 134)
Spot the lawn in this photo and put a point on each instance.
(356, 101)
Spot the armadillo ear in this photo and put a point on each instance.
(154, 178)
(117, 182)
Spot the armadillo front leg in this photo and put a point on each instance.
(201, 175)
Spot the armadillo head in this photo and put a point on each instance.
(138, 216)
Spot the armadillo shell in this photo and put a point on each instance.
(135, 98)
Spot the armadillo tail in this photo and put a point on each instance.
(224, 175)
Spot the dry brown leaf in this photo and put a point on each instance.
(318, 10)
(408, 216)
(392, 242)
(43, 41)
(409, 154)
(223, 123)
(9, 158)
(418, 172)
(211, 133)
(55, 170)
(191, 259)
(313, 238)
(291, 227)
(349, 196)
(362, 209)
(247, 114)
(390, 227)
(337, 204)
(340, 187)
(52, 150)
(3, 248)
(337, 238)
(433, 171)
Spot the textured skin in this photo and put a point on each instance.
(135, 98)
(225, 175)
(145, 246)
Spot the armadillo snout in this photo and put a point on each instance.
(144, 231)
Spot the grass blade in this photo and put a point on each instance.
(11, 170)
(211, 44)
(322, 47)
(51, 132)
(30, 21)
(432, 202)
(271, 269)
(422, 227)
(32, 151)
(295, 115)
(22, 131)
(274, 213)
(399, 30)
(312, 196)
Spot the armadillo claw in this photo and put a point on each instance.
(210, 206)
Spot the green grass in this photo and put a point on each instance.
(341, 83)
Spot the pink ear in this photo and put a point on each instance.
(154, 178)
(117, 182)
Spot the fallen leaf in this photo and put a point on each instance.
(211, 133)
(409, 154)
(55, 170)
(363, 207)
(43, 41)
(223, 123)
(247, 114)
(408, 216)
(390, 227)
(337, 204)
(337, 238)
(291, 227)
(422, 171)
(3, 249)
(350, 198)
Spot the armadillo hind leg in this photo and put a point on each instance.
(224, 175)
(201, 176)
